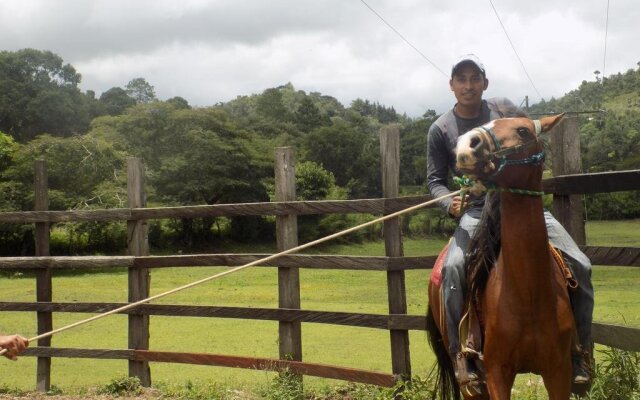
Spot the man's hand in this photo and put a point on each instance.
(14, 344)
(455, 208)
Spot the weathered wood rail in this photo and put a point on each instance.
(289, 313)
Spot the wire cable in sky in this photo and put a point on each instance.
(606, 31)
(403, 38)
(514, 49)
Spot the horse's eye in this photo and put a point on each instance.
(523, 132)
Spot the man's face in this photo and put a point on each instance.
(468, 84)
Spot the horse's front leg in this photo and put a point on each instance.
(558, 381)
(499, 380)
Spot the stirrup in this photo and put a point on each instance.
(473, 389)
(465, 370)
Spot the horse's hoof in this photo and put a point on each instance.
(581, 389)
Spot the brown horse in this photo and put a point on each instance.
(527, 321)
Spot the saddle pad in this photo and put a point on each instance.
(436, 274)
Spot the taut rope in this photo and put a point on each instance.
(236, 269)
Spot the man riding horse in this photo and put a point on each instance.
(468, 82)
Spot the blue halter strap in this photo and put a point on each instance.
(501, 153)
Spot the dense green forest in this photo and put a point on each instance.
(224, 153)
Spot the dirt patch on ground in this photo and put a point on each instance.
(147, 394)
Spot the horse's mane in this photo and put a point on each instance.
(484, 246)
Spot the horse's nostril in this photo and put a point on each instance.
(475, 142)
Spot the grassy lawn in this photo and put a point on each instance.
(617, 301)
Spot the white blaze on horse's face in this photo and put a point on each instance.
(472, 152)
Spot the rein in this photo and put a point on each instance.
(526, 192)
(478, 187)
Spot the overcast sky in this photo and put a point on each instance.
(211, 51)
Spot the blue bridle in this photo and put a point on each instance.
(501, 153)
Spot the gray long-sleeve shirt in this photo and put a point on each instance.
(441, 142)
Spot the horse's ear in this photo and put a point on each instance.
(547, 123)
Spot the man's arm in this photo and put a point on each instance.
(438, 166)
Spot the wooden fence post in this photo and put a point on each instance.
(138, 245)
(43, 275)
(390, 160)
(290, 333)
(565, 149)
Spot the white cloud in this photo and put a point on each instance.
(210, 51)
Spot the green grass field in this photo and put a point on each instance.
(617, 301)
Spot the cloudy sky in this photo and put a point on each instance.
(210, 51)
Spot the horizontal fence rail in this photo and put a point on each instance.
(603, 182)
(377, 321)
(264, 364)
(620, 256)
(368, 206)
(362, 263)
(621, 337)
(599, 255)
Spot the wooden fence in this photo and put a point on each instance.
(289, 314)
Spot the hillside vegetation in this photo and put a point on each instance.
(224, 152)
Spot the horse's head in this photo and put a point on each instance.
(484, 152)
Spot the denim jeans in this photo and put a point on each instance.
(454, 277)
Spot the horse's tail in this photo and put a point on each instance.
(446, 386)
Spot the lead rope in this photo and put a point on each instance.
(237, 269)
(467, 184)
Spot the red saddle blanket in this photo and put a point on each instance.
(436, 274)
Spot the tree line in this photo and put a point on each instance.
(219, 154)
(609, 119)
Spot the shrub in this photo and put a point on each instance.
(122, 386)
(617, 377)
(285, 386)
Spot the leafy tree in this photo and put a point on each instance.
(413, 150)
(40, 94)
(75, 165)
(8, 146)
(179, 102)
(312, 181)
(141, 91)
(362, 107)
(195, 156)
(308, 116)
(351, 155)
(270, 105)
(115, 101)
(83, 172)
(8, 188)
(375, 110)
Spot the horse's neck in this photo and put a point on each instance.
(525, 251)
